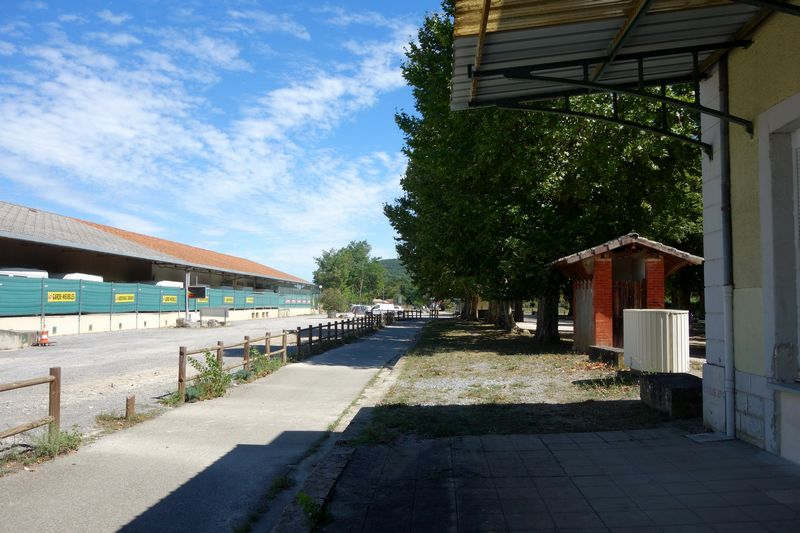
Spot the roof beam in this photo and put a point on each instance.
(637, 13)
(479, 47)
(775, 5)
(725, 45)
(694, 106)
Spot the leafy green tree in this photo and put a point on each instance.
(492, 196)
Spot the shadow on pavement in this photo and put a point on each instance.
(223, 494)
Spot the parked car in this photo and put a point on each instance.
(357, 309)
(382, 308)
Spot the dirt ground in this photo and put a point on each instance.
(99, 370)
(467, 378)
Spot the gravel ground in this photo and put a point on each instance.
(98, 370)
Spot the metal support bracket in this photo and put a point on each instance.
(569, 111)
(615, 89)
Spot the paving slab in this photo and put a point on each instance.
(487, 490)
(203, 466)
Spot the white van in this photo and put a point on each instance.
(382, 308)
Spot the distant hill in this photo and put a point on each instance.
(394, 267)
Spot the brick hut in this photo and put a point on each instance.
(624, 273)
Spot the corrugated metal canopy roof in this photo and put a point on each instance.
(569, 39)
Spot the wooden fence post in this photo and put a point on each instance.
(328, 337)
(220, 352)
(268, 345)
(299, 341)
(246, 352)
(182, 374)
(336, 330)
(310, 339)
(130, 407)
(284, 347)
(54, 405)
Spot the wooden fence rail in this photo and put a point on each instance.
(306, 341)
(220, 348)
(53, 418)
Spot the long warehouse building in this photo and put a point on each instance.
(51, 267)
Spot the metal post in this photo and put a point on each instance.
(80, 303)
(160, 300)
(111, 309)
(182, 374)
(186, 281)
(136, 304)
(54, 405)
(41, 305)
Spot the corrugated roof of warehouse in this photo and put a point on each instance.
(35, 225)
(199, 256)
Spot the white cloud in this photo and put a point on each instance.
(252, 21)
(129, 129)
(6, 48)
(33, 5)
(71, 18)
(115, 39)
(216, 52)
(115, 19)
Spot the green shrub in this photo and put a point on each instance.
(212, 381)
(315, 514)
(48, 446)
(333, 299)
(242, 375)
(262, 365)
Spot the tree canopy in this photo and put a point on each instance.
(492, 196)
(351, 274)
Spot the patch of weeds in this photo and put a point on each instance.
(48, 446)
(109, 422)
(278, 485)
(262, 365)
(315, 514)
(172, 399)
(44, 448)
(242, 376)
(212, 381)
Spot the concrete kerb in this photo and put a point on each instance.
(320, 483)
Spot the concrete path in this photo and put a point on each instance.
(203, 466)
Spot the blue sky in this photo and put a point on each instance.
(256, 128)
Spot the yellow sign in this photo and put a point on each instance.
(249, 300)
(169, 299)
(201, 300)
(227, 299)
(66, 296)
(124, 298)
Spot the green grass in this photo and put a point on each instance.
(44, 448)
(315, 514)
(109, 422)
(466, 379)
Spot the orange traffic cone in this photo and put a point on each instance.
(44, 340)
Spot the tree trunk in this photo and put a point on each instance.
(469, 311)
(519, 312)
(492, 317)
(505, 317)
(547, 318)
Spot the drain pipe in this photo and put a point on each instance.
(727, 254)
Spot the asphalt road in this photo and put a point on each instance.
(98, 370)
